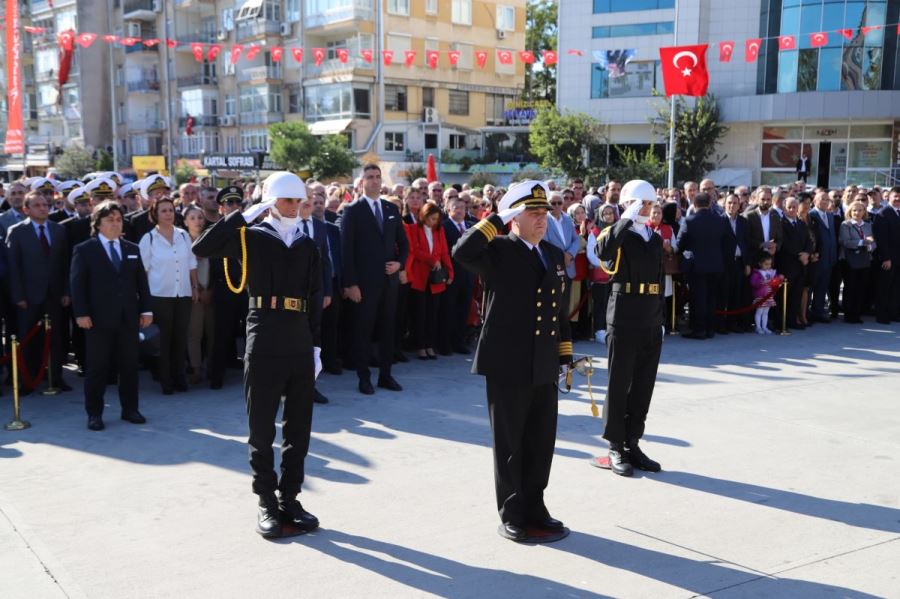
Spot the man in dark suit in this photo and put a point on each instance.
(15, 197)
(39, 281)
(793, 258)
(331, 315)
(374, 249)
(735, 290)
(454, 311)
(705, 236)
(765, 223)
(824, 227)
(803, 167)
(886, 229)
(111, 302)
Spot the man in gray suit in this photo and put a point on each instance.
(15, 195)
(39, 281)
(825, 228)
(765, 223)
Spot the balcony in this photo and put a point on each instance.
(256, 28)
(201, 36)
(143, 86)
(140, 48)
(197, 80)
(339, 18)
(195, 3)
(149, 123)
(261, 74)
(334, 67)
(140, 10)
(200, 120)
(261, 118)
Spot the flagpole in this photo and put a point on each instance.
(671, 182)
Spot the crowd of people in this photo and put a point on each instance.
(391, 289)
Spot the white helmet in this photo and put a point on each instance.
(283, 185)
(638, 190)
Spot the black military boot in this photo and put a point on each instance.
(639, 459)
(268, 523)
(292, 513)
(618, 460)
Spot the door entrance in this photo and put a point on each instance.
(824, 163)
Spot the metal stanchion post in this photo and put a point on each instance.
(51, 388)
(16, 424)
(784, 301)
(674, 329)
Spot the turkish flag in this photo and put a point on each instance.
(387, 56)
(66, 40)
(504, 56)
(576, 52)
(847, 33)
(197, 51)
(526, 56)
(110, 39)
(481, 59)
(866, 30)
(277, 53)
(454, 57)
(33, 30)
(236, 53)
(409, 57)
(751, 49)
(817, 40)
(684, 70)
(726, 50)
(343, 55)
(171, 43)
(213, 52)
(253, 51)
(367, 55)
(85, 39)
(129, 41)
(297, 53)
(787, 42)
(318, 56)
(550, 57)
(189, 125)
(151, 42)
(432, 57)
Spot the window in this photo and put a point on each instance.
(230, 144)
(432, 43)
(632, 30)
(431, 7)
(462, 12)
(229, 105)
(46, 61)
(295, 101)
(427, 97)
(466, 53)
(493, 108)
(459, 102)
(260, 98)
(395, 98)
(361, 102)
(506, 17)
(199, 102)
(254, 140)
(431, 141)
(399, 43)
(394, 141)
(337, 101)
(66, 20)
(639, 80)
(331, 49)
(398, 7)
(457, 142)
(607, 6)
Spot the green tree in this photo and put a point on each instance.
(698, 131)
(104, 161)
(415, 171)
(332, 158)
(74, 163)
(562, 142)
(632, 165)
(184, 172)
(540, 34)
(293, 146)
(528, 173)
(479, 179)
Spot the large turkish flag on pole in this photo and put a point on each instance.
(15, 134)
(684, 70)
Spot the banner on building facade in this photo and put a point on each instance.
(15, 135)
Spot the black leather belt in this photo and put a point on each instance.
(636, 289)
(293, 304)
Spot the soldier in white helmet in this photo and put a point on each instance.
(632, 254)
(282, 270)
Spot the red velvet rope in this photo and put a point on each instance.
(26, 339)
(27, 381)
(578, 308)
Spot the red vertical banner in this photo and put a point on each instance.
(15, 137)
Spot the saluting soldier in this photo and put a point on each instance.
(634, 318)
(524, 340)
(283, 273)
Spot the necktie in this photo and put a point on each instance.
(306, 227)
(539, 257)
(114, 256)
(378, 215)
(825, 220)
(45, 243)
(461, 229)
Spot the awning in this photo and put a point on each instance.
(249, 10)
(330, 127)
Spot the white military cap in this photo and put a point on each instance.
(152, 183)
(41, 184)
(531, 194)
(79, 193)
(101, 187)
(66, 186)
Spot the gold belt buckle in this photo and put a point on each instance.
(259, 302)
(641, 289)
(291, 303)
(653, 289)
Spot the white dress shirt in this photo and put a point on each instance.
(429, 236)
(168, 265)
(766, 225)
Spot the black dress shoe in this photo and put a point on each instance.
(618, 460)
(319, 398)
(268, 519)
(640, 460)
(388, 382)
(95, 423)
(400, 357)
(434, 356)
(134, 417)
(292, 512)
(549, 523)
(365, 387)
(512, 532)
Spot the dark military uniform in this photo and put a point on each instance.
(524, 339)
(634, 317)
(281, 280)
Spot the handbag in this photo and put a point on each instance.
(438, 276)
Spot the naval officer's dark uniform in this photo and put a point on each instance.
(634, 319)
(524, 339)
(281, 280)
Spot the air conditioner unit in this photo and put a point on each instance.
(286, 29)
(501, 34)
(226, 121)
(157, 6)
(133, 29)
(430, 115)
(221, 35)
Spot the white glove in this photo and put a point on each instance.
(510, 213)
(317, 360)
(253, 212)
(633, 210)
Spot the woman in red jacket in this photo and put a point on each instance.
(430, 271)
